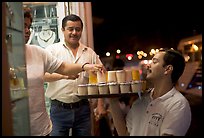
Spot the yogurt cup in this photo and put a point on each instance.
(82, 89)
(112, 76)
(103, 88)
(101, 77)
(125, 87)
(136, 86)
(92, 89)
(113, 88)
(120, 75)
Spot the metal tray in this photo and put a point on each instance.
(109, 95)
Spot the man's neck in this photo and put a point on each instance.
(72, 46)
(161, 89)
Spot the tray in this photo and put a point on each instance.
(108, 95)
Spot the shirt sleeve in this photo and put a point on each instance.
(178, 119)
(51, 63)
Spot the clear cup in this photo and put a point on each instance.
(135, 75)
(92, 78)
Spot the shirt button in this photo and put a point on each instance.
(147, 112)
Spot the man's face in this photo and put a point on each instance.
(72, 32)
(155, 71)
(27, 25)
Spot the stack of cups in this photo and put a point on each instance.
(128, 75)
(136, 83)
(102, 85)
(92, 86)
(112, 82)
(121, 79)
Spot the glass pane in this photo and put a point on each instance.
(17, 68)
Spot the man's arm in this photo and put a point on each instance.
(74, 69)
(55, 77)
(118, 117)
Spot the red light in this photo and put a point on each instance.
(129, 55)
(117, 56)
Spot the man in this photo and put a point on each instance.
(164, 110)
(67, 111)
(39, 61)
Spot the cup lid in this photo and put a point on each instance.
(102, 84)
(112, 83)
(91, 84)
(124, 83)
(82, 85)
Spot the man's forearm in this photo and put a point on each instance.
(53, 77)
(118, 117)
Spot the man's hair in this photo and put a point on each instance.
(174, 58)
(27, 13)
(71, 17)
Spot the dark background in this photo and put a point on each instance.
(137, 25)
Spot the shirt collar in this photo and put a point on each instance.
(166, 95)
(80, 49)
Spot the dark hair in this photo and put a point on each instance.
(71, 17)
(27, 13)
(174, 58)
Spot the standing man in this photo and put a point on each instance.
(67, 111)
(162, 112)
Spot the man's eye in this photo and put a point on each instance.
(154, 61)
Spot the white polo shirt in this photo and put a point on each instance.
(168, 114)
(66, 90)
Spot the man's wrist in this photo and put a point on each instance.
(83, 66)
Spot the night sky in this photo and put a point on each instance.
(142, 26)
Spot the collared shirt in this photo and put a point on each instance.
(168, 114)
(39, 61)
(66, 90)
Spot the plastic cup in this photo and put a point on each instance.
(113, 88)
(112, 76)
(125, 87)
(135, 75)
(136, 86)
(92, 78)
(103, 88)
(120, 74)
(92, 89)
(128, 75)
(82, 89)
(101, 77)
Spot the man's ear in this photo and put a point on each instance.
(168, 68)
